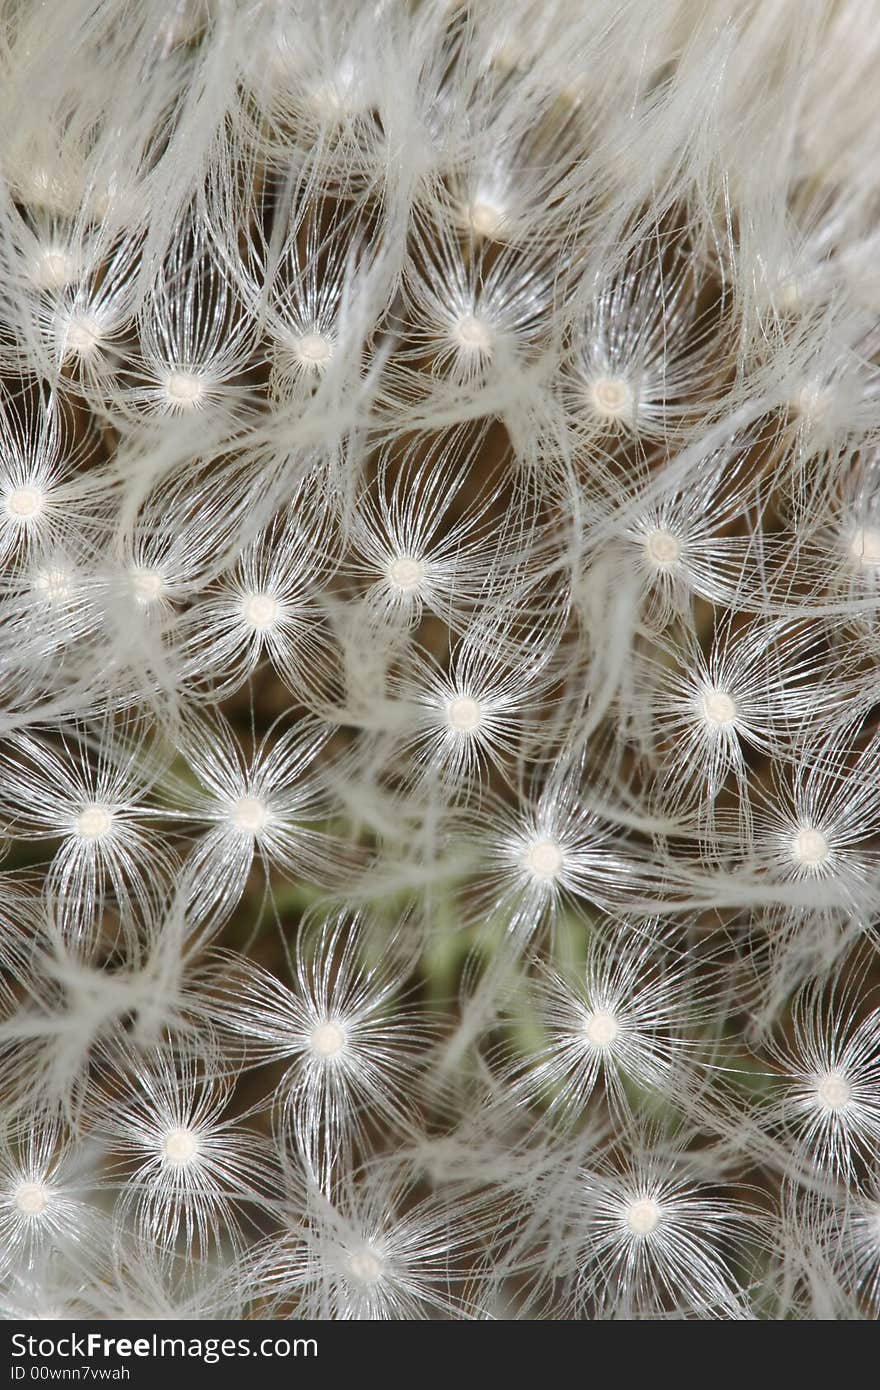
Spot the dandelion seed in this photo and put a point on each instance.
(97, 810)
(485, 218)
(94, 821)
(180, 1147)
(249, 814)
(44, 506)
(366, 1266)
(416, 547)
(327, 1039)
(194, 343)
(31, 1198)
(347, 1049)
(463, 714)
(544, 859)
(267, 607)
(148, 584)
(810, 847)
(83, 335)
(829, 1101)
(46, 1182)
(473, 334)
(24, 504)
(261, 611)
(718, 708)
(376, 1254)
(640, 349)
(643, 1216)
(834, 1091)
(817, 826)
(269, 806)
(612, 399)
(467, 317)
(189, 1169)
(632, 1015)
(653, 1234)
(313, 350)
(663, 549)
(406, 573)
(601, 1028)
(184, 390)
(756, 688)
(853, 1241)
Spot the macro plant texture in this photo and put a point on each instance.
(440, 662)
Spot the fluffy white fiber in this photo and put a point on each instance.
(439, 590)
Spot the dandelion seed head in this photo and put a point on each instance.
(260, 611)
(376, 648)
(544, 859)
(463, 715)
(180, 1147)
(94, 821)
(642, 1216)
(328, 1039)
(31, 1198)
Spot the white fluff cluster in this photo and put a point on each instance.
(439, 756)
